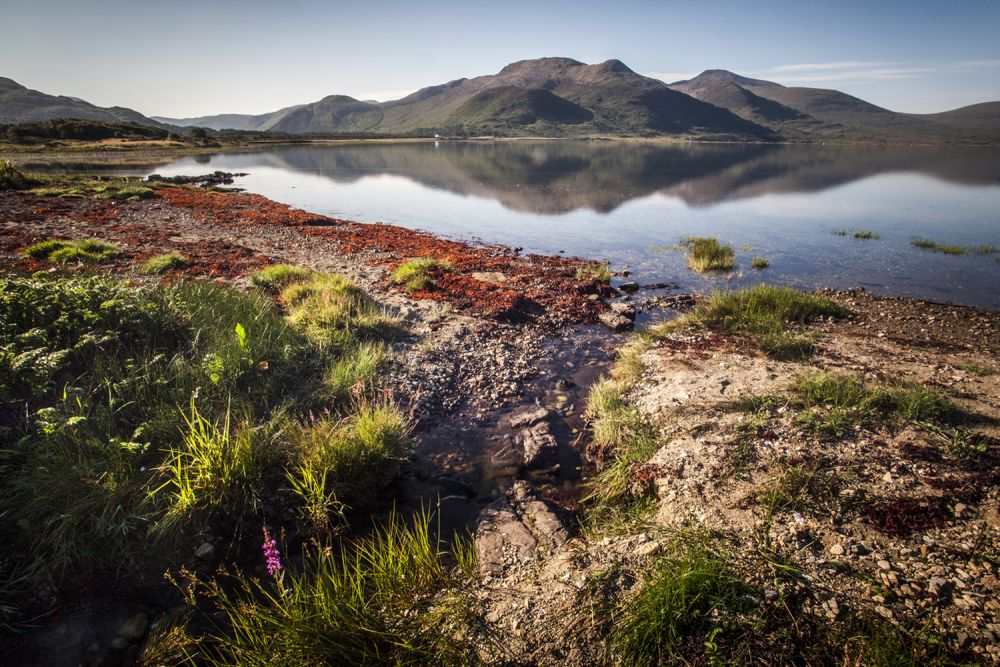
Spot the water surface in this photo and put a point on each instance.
(630, 202)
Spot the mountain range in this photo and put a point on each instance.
(561, 97)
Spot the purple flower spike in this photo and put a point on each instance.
(271, 554)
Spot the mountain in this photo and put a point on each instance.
(23, 105)
(802, 113)
(232, 121)
(546, 96)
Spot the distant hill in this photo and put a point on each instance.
(546, 96)
(23, 105)
(831, 114)
(233, 121)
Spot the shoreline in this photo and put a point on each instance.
(497, 357)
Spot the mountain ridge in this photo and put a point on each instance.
(563, 97)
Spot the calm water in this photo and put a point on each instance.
(628, 203)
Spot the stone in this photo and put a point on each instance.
(615, 322)
(884, 565)
(837, 550)
(526, 417)
(630, 287)
(205, 552)
(623, 309)
(540, 447)
(135, 627)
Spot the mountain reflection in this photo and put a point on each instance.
(551, 177)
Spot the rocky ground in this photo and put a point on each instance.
(892, 525)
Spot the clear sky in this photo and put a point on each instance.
(188, 58)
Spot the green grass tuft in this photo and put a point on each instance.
(416, 275)
(12, 178)
(834, 404)
(947, 249)
(599, 272)
(707, 254)
(766, 313)
(690, 595)
(85, 251)
(163, 263)
(277, 277)
(760, 262)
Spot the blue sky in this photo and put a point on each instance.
(186, 58)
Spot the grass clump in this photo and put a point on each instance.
(11, 177)
(760, 262)
(767, 314)
(416, 275)
(688, 599)
(277, 277)
(85, 251)
(336, 314)
(388, 598)
(949, 249)
(353, 458)
(835, 404)
(598, 272)
(808, 485)
(354, 373)
(125, 188)
(862, 234)
(163, 263)
(707, 254)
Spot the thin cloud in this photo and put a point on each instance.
(847, 71)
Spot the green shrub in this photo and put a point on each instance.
(165, 262)
(707, 254)
(277, 277)
(417, 274)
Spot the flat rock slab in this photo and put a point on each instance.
(516, 529)
(527, 417)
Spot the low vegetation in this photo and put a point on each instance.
(833, 404)
(11, 177)
(277, 277)
(760, 262)
(599, 272)
(169, 261)
(85, 251)
(151, 411)
(768, 315)
(388, 598)
(417, 275)
(949, 249)
(126, 188)
(691, 594)
(862, 234)
(707, 254)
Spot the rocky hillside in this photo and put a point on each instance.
(799, 112)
